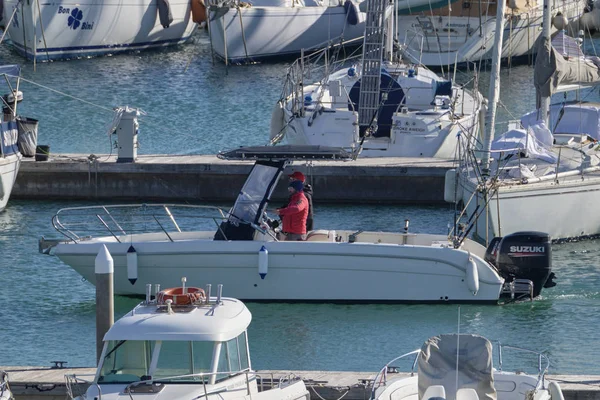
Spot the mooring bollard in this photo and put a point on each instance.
(105, 314)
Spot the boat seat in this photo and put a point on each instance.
(320, 235)
(466, 394)
(435, 392)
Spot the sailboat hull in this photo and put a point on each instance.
(562, 210)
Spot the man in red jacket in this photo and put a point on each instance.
(295, 214)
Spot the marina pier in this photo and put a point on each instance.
(202, 178)
(45, 383)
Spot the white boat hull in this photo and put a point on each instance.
(246, 34)
(557, 209)
(444, 41)
(299, 271)
(71, 30)
(10, 161)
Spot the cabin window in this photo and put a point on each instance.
(126, 361)
(243, 346)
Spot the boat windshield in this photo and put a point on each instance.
(128, 361)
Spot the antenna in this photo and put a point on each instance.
(457, 351)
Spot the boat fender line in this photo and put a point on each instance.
(181, 296)
(164, 13)
(263, 262)
(132, 265)
(277, 120)
(472, 276)
(198, 11)
(351, 12)
(555, 391)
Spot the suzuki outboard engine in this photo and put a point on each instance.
(523, 255)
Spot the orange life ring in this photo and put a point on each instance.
(198, 11)
(191, 295)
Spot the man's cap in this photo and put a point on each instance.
(298, 176)
(297, 185)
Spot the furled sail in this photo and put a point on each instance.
(561, 65)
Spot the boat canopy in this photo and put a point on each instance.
(211, 323)
(438, 363)
(560, 66)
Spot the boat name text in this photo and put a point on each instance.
(9, 137)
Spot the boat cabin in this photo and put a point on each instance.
(202, 342)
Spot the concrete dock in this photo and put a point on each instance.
(43, 383)
(204, 178)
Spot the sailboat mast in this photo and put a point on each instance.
(544, 111)
(494, 92)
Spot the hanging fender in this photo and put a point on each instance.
(351, 12)
(132, 265)
(263, 262)
(164, 13)
(472, 276)
(198, 11)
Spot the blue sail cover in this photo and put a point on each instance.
(9, 137)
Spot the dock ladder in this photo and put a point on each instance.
(368, 100)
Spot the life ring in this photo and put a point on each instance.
(198, 11)
(191, 295)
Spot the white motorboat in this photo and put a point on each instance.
(376, 105)
(5, 393)
(540, 179)
(244, 32)
(151, 243)
(182, 345)
(10, 157)
(62, 30)
(461, 367)
(440, 34)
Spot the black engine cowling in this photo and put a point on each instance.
(523, 255)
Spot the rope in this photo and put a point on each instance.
(322, 398)
(67, 95)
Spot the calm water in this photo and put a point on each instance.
(47, 312)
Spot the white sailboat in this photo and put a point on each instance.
(244, 32)
(536, 178)
(10, 157)
(461, 367)
(45, 31)
(151, 243)
(376, 105)
(442, 33)
(182, 346)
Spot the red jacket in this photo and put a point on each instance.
(295, 214)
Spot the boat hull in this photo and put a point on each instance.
(71, 30)
(247, 34)
(463, 39)
(297, 271)
(10, 161)
(557, 209)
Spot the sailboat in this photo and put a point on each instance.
(544, 173)
(444, 33)
(10, 156)
(376, 105)
(246, 32)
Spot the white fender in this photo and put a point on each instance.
(263, 262)
(472, 276)
(277, 120)
(132, 265)
(450, 193)
(555, 391)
